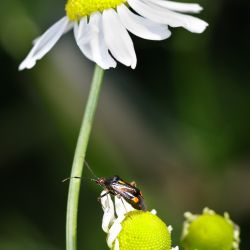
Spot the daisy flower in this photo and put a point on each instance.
(128, 228)
(101, 28)
(210, 230)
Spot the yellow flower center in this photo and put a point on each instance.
(209, 232)
(77, 9)
(144, 231)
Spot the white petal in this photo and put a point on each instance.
(117, 39)
(180, 7)
(114, 231)
(68, 28)
(81, 31)
(170, 229)
(175, 248)
(45, 42)
(122, 207)
(98, 46)
(153, 211)
(109, 213)
(142, 27)
(90, 39)
(117, 246)
(83, 36)
(165, 16)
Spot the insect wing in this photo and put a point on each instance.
(123, 189)
(141, 204)
(130, 193)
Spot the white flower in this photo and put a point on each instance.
(101, 28)
(121, 220)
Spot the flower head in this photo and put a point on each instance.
(210, 231)
(131, 229)
(101, 28)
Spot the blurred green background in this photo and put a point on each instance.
(178, 125)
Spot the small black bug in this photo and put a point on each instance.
(116, 186)
(128, 191)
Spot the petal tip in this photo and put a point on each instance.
(133, 66)
(202, 27)
(197, 8)
(26, 64)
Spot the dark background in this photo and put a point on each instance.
(178, 124)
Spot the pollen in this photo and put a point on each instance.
(76, 9)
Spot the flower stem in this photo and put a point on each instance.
(79, 157)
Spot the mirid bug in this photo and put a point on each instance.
(118, 187)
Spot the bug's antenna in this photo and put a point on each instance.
(77, 177)
(89, 168)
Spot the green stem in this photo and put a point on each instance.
(79, 157)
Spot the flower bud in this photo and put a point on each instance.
(210, 231)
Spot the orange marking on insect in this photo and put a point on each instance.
(135, 200)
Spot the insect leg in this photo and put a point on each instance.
(124, 205)
(99, 198)
(69, 178)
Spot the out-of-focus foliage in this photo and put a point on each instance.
(179, 125)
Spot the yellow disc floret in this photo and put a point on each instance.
(143, 231)
(210, 231)
(77, 9)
